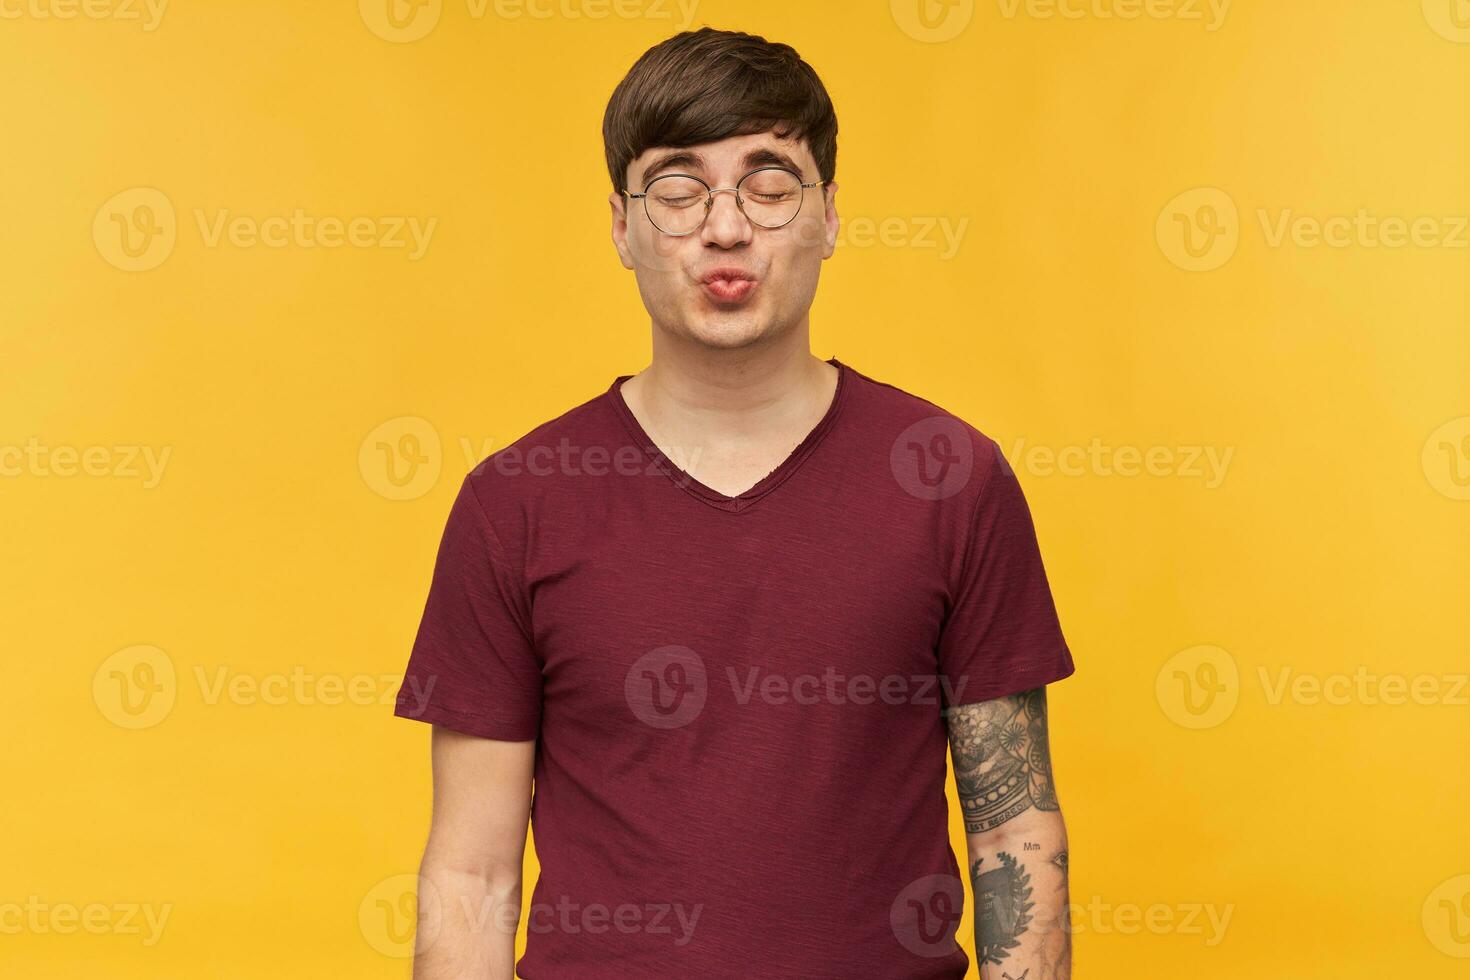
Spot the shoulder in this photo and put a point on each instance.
(510, 480)
(934, 453)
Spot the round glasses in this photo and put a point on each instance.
(677, 204)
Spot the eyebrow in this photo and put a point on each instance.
(695, 162)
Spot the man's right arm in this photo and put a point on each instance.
(470, 876)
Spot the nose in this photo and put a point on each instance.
(725, 225)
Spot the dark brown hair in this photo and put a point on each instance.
(707, 85)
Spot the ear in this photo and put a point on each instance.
(619, 204)
(831, 222)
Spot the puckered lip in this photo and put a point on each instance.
(726, 273)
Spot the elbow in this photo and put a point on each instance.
(1033, 824)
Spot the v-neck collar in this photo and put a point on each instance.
(741, 502)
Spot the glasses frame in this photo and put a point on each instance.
(709, 201)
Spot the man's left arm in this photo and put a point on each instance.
(1016, 839)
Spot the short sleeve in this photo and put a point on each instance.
(473, 667)
(1002, 635)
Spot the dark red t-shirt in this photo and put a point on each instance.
(741, 759)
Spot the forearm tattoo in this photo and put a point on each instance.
(1002, 764)
(1002, 907)
(1002, 768)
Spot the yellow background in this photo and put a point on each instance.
(274, 833)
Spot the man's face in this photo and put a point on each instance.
(679, 278)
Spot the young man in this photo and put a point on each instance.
(724, 615)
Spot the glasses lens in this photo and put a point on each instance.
(771, 197)
(676, 204)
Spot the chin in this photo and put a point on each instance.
(728, 330)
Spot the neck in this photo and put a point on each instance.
(693, 393)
